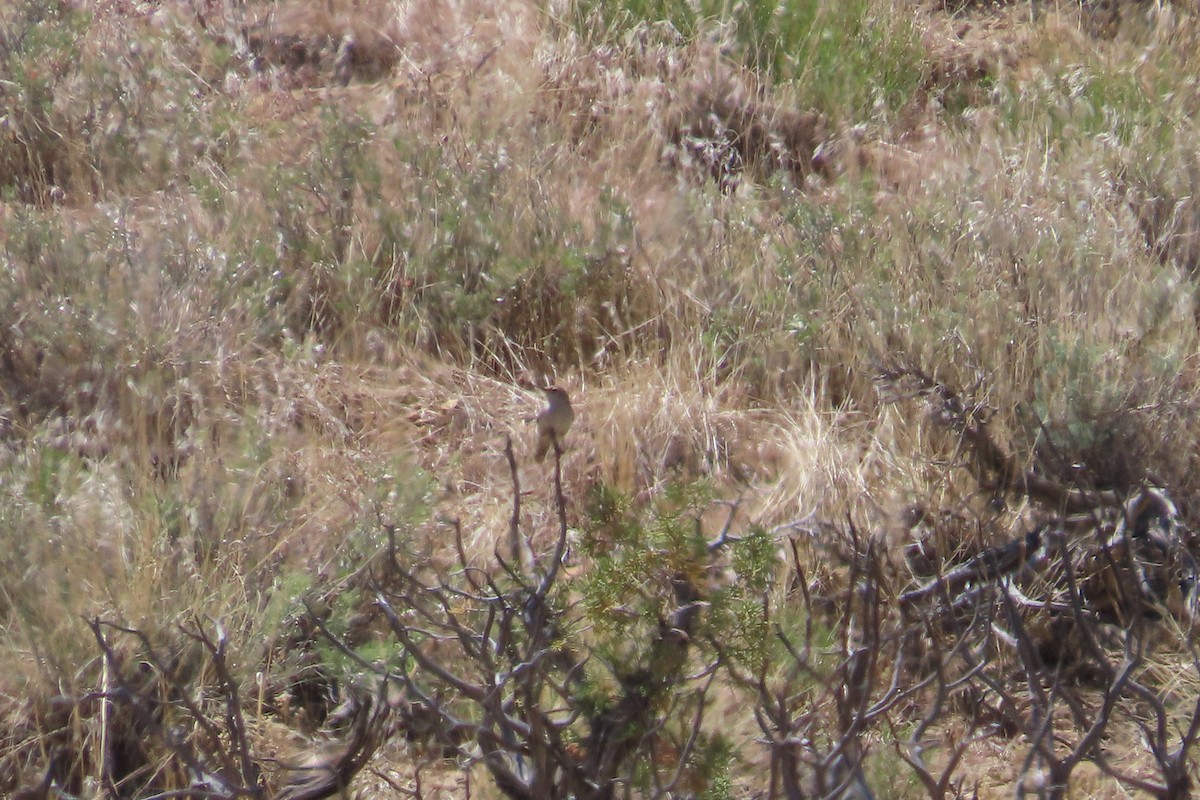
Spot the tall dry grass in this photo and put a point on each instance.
(272, 276)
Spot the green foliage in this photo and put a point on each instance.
(284, 600)
(384, 652)
(850, 60)
(736, 606)
(639, 554)
(52, 469)
(890, 777)
(38, 487)
(305, 274)
(753, 560)
(403, 493)
(715, 756)
(38, 52)
(1073, 106)
(628, 590)
(455, 275)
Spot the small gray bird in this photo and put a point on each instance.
(554, 421)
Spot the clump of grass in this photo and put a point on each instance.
(40, 48)
(848, 61)
(96, 104)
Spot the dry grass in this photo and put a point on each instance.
(276, 276)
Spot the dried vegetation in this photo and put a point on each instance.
(880, 325)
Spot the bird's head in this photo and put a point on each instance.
(556, 395)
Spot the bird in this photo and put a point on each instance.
(554, 421)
